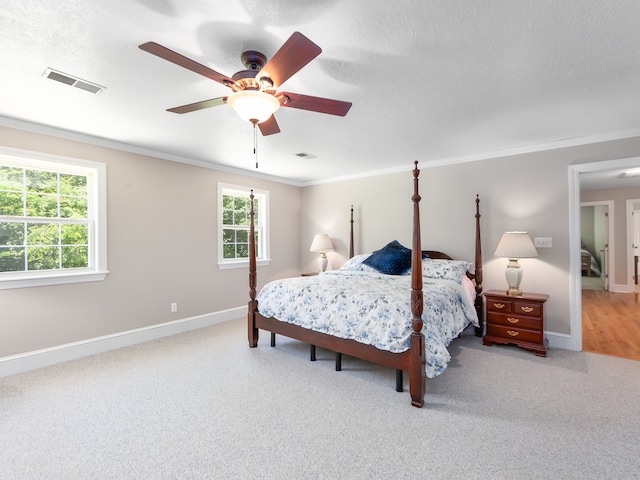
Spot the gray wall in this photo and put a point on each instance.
(448, 194)
(177, 203)
(162, 248)
(521, 192)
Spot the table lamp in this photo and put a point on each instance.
(515, 245)
(321, 244)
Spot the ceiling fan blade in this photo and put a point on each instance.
(192, 107)
(314, 104)
(181, 60)
(296, 52)
(269, 126)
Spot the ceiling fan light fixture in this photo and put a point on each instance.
(253, 106)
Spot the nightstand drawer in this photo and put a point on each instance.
(533, 309)
(511, 333)
(514, 321)
(501, 306)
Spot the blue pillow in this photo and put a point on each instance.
(392, 259)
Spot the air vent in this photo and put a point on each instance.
(76, 82)
(305, 155)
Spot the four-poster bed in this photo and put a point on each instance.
(406, 351)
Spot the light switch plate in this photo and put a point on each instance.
(542, 242)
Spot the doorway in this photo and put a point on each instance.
(575, 339)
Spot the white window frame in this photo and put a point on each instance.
(97, 211)
(262, 251)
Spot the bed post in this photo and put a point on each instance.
(478, 273)
(351, 250)
(253, 304)
(417, 379)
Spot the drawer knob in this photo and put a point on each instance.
(513, 333)
(499, 305)
(527, 309)
(512, 320)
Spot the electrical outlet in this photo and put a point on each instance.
(542, 242)
(174, 307)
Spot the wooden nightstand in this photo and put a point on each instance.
(516, 320)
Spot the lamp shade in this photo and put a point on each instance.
(252, 105)
(516, 245)
(321, 243)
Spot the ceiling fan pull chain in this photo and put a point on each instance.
(255, 143)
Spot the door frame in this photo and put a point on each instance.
(630, 238)
(575, 280)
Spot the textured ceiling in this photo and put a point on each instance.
(433, 81)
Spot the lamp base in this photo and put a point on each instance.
(322, 263)
(513, 273)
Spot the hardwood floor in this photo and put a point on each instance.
(611, 323)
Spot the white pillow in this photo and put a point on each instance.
(354, 264)
(445, 269)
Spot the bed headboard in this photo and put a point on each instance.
(436, 255)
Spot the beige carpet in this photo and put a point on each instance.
(203, 405)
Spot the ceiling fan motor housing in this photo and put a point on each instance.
(246, 79)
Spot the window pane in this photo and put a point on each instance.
(42, 182)
(227, 217)
(73, 207)
(228, 235)
(11, 204)
(240, 218)
(11, 233)
(75, 257)
(239, 203)
(11, 178)
(229, 251)
(227, 202)
(42, 234)
(75, 185)
(43, 258)
(242, 250)
(42, 205)
(74, 235)
(11, 259)
(242, 236)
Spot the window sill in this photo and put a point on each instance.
(242, 264)
(26, 281)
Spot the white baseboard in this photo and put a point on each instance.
(622, 288)
(71, 351)
(562, 340)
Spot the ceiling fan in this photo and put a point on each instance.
(254, 95)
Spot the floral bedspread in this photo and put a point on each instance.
(372, 308)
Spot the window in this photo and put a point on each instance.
(52, 220)
(234, 207)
